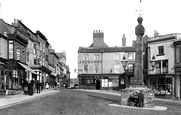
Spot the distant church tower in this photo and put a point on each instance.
(123, 41)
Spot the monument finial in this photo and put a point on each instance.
(140, 9)
(140, 19)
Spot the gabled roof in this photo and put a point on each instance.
(105, 50)
(103, 45)
(4, 27)
(60, 55)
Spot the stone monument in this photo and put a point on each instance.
(138, 73)
(138, 94)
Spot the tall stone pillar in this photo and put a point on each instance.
(138, 72)
(138, 84)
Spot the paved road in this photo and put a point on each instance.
(75, 102)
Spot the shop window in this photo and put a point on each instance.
(130, 67)
(160, 50)
(158, 67)
(161, 86)
(113, 81)
(165, 66)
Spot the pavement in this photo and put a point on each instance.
(10, 100)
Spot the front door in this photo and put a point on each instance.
(98, 84)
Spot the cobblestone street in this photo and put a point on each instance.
(75, 102)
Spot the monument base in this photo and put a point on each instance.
(137, 95)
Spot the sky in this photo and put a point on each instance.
(69, 24)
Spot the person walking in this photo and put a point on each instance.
(31, 86)
(38, 86)
(25, 87)
(55, 85)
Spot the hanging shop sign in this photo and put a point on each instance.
(90, 61)
(10, 49)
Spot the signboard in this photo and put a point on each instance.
(90, 61)
(10, 49)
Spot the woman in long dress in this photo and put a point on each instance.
(31, 84)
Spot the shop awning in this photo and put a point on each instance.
(27, 68)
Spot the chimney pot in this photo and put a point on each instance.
(156, 33)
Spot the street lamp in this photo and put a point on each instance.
(153, 62)
(124, 63)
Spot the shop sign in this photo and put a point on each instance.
(10, 49)
(90, 61)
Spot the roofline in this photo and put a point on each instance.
(163, 37)
(56, 55)
(104, 50)
(1, 35)
(41, 35)
(27, 28)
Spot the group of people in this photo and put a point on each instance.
(30, 88)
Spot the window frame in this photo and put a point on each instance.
(160, 51)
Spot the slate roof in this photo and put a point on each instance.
(103, 45)
(4, 27)
(105, 50)
(60, 55)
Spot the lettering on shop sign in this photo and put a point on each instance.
(90, 61)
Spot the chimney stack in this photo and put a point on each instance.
(156, 33)
(123, 41)
(98, 38)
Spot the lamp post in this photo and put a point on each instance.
(124, 63)
(153, 62)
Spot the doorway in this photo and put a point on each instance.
(98, 84)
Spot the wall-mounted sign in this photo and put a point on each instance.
(10, 49)
(90, 61)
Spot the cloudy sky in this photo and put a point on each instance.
(69, 24)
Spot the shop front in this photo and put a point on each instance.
(177, 81)
(101, 81)
(2, 75)
(15, 75)
(162, 84)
